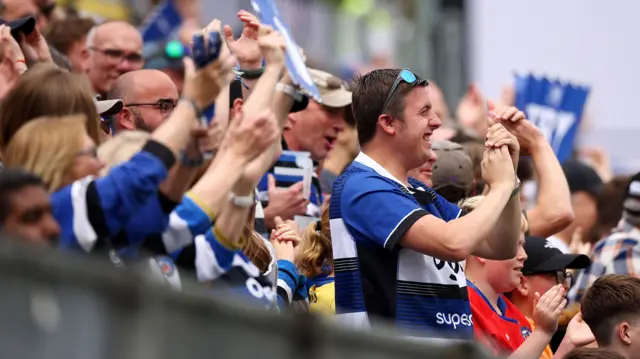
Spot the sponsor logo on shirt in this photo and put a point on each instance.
(454, 319)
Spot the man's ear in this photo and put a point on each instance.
(236, 108)
(386, 123)
(126, 119)
(523, 287)
(623, 330)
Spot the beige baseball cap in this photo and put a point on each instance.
(333, 90)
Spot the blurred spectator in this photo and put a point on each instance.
(68, 36)
(609, 207)
(47, 91)
(114, 48)
(25, 209)
(424, 173)
(593, 353)
(345, 149)
(166, 57)
(317, 127)
(611, 308)
(149, 97)
(618, 253)
(584, 185)
(56, 149)
(544, 268)
(452, 171)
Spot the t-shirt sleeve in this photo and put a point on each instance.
(377, 210)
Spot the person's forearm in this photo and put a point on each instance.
(553, 211)
(233, 218)
(175, 132)
(214, 186)
(282, 102)
(465, 234)
(533, 346)
(178, 182)
(262, 95)
(509, 226)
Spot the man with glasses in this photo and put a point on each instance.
(149, 97)
(545, 267)
(114, 48)
(397, 245)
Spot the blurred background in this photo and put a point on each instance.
(457, 43)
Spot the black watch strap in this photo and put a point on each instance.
(249, 74)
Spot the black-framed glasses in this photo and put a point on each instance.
(407, 76)
(119, 55)
(165, 106)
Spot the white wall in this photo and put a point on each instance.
(590, 41)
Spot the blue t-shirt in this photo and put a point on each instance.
(375, 277)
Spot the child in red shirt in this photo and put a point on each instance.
(497, 323)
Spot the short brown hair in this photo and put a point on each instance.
(609, 204)
(45, 90)
(610, 300)
(369, 93)
(592, 353)
(62, 34)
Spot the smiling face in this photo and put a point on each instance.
(424, 173)
(315, 129)
(413, 132)
(504, 276)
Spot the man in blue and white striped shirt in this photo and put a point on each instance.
(397, 245)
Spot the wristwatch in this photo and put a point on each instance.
(289, 90)
(242, 201)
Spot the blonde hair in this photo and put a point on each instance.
(471, 203)
(254, 247)
(46, 90)
(316, 250)
(121, 148)
(48, 147)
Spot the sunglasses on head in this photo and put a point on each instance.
(407, 76)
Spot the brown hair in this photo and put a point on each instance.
(63, 34)
(47, 147)
(592, 353)
(316, 250)
(369, 93)
(46, 90)
(254, 246)
(611, 299)
(609, 204)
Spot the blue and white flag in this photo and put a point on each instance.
(269, 15)
(163, 24)
(554, 106)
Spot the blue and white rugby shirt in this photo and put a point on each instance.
(375, 277)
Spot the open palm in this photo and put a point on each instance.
(245, 48)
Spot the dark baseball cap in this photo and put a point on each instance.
(24, 25)
(581, 177)
(542, 257)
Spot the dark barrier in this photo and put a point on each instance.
(54, 305)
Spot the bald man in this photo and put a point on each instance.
(114, 48)
(149, 97)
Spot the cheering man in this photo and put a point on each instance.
(396, 243)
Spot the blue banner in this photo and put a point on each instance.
(163, 24)
(555, 107)
(269, 15)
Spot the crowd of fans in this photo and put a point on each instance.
(374, 205)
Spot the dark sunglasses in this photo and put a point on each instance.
(407, 76)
